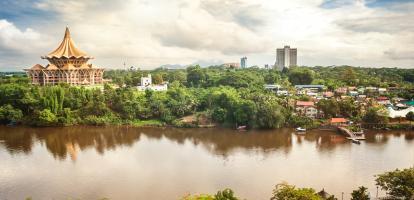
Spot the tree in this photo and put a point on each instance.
(360, 194)
(46, 118)
(10, 114)
(398, 183)
(289, 192)
(157, 79)
(226, 194)
(375, 116)
(410, 116)
(244, 113)
(301, 76)
(329, 107)
(269, 112)
(195, 76)
(348, 108)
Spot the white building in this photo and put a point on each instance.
(399, 113)
(286, 57)
(277, 89)
(243, 62)
(146, 84)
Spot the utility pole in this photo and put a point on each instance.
(342, 196)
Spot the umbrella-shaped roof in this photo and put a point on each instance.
(67, 49)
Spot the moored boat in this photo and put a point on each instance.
(300, 129)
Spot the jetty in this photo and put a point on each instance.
(351, 135)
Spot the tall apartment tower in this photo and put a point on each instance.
(286, 57)
(243, 62)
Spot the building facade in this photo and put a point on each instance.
(286, 57)
(146, 84)
(231, 65)
(243, 62)
(67, 64)
(306, 108)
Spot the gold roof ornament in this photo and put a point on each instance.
(67, 49)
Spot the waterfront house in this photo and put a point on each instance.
(338, 121)
(306, 108)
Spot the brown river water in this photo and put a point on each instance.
(168, 163)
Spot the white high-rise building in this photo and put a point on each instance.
(286, 57)
(243, 62)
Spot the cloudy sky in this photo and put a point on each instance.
(150, 33)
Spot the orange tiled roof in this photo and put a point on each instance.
(338, 120)
(305, 103)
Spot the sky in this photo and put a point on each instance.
(151, 33)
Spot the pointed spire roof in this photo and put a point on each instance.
(67, 49)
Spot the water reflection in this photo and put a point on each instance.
(68, 141)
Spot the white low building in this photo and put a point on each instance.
(146, 84)
(399, 113)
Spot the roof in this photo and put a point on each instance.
(338, 120)
(271, 86)
(304, 103)
(67, 49)
(399, 113)
(37, 67)
(382, 98)
(309, 86)
(51, 67)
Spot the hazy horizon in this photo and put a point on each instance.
(148, 34)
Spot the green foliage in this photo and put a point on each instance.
(195, 76)
(410, 116)
(329, 107)
(398, 183)
(46, 118)
(289, 192)
(301, 121)
(231, 97)
(10, 114)
(376, 116)
(301, 76)
(269, 112)
(360, 194)
(226, 194)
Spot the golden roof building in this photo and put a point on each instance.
(67, 64)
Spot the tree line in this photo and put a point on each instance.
(229, 97)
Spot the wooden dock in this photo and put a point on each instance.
(350, 134)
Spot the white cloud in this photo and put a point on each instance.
(151, 33)
(12, 38)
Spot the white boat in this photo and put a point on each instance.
(300, 129)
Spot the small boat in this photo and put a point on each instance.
(12, 123)
(300, 129)
(355, 141)
(241, 128)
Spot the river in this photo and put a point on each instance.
(168, 163)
